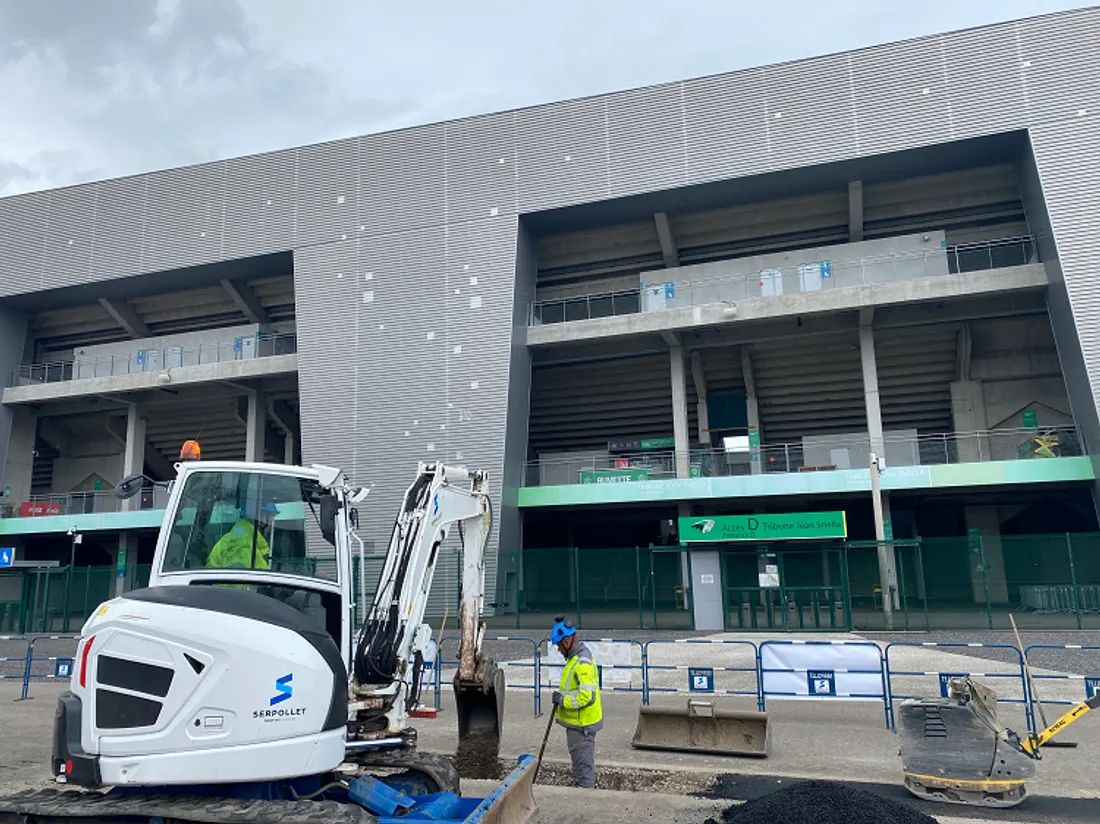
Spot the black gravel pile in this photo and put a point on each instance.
(820, 802)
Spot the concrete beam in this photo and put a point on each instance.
(259, 439)
(855, 211)
(285, 417)
(870, 383)
(116, 428)
(133, 456)
(126, 317)
(700, 380)
(54, 435)
(670, 338)
(668, 241)
(158, 465)
(246, 301)
(928, 297)
(752, 409)
(251, 368)
(964, 351)
(679, 412)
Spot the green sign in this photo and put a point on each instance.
(614, 476)
(695, 471)
(793, 527)
(98, 484)
(1031, 420)
(754, 437)
(659, 443)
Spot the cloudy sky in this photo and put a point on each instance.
(100, 88)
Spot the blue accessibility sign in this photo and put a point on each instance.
(821, 682)
(63, 668)
(700, 679)
(1092, 685)
(7, 556)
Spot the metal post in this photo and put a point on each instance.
(638, 581)
(885, 568)
(577, 581)
(1073, 579)
(985, 581)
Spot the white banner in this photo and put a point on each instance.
(607, 655)
(821, 670)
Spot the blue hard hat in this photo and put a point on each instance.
(562, 630)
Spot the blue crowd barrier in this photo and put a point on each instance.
(602, 667)
(13, 661)
(713, 669)
(1086, 680)
(1017, 676)
(61, 665)
(534, 665)
(831, 692)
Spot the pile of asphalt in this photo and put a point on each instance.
(820, 802)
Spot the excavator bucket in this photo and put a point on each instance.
(702, 727)
(513, 802)
(480, 705)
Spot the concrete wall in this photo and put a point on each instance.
(185, 349)
(13, 336)
(804, 270)
(852, 450)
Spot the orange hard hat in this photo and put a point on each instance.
(190, 451)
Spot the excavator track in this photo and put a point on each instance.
(415, 773)
(62, 806)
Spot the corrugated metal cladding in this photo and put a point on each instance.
(391, 230)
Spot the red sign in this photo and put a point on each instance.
(622, 463)
(34, 509)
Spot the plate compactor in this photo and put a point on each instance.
(953, 749)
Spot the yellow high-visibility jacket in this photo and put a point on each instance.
(580, 692)
(235, 548)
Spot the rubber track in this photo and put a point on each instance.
(70, 804)
(439, 768)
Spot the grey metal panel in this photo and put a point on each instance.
(982, 71)
(1069, 170)
(260, 204)
(70, 235)
(726, 128)
(120, 229)
(401, 180)
(1059, 58)
(562, 154)
(327, 194)
(809, 112)
(183, 220)
(900, 95)
(23, 222)
(645, 134)
(481, 167)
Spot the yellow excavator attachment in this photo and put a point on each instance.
(702, 727)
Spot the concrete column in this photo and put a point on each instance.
(133, 456)
(700, 380)
(288, 450)
(752, 410)
(855, 211)
(680, 412)
(968, 417)
(870, 387)
(255, 427)
(985, 521)
(126, 560)
(19, 467)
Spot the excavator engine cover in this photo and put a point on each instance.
(480, 705)
(953, 750)
(702, 727)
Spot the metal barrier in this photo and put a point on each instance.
(61, 665)
(13, 663)
(700, 679)
(1091, 683)
(946, 676)
(534, 665)
(821, 680)
(602, 668)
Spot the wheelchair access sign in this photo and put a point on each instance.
(821, 682)
(701, 679)
(1092, 685)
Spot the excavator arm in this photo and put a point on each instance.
(442, 502)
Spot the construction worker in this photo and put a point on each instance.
(577, 701)
(245, 545)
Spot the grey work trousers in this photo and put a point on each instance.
(582, 752)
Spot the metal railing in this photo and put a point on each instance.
(81, 503)
(155, 360)
(820, 455)
(862, 271)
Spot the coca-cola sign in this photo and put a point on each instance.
(35, 509)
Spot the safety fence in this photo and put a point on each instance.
(773, 669)
(43, 658)
(796, 669)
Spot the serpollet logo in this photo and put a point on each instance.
(704, 526)
(283, 689)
